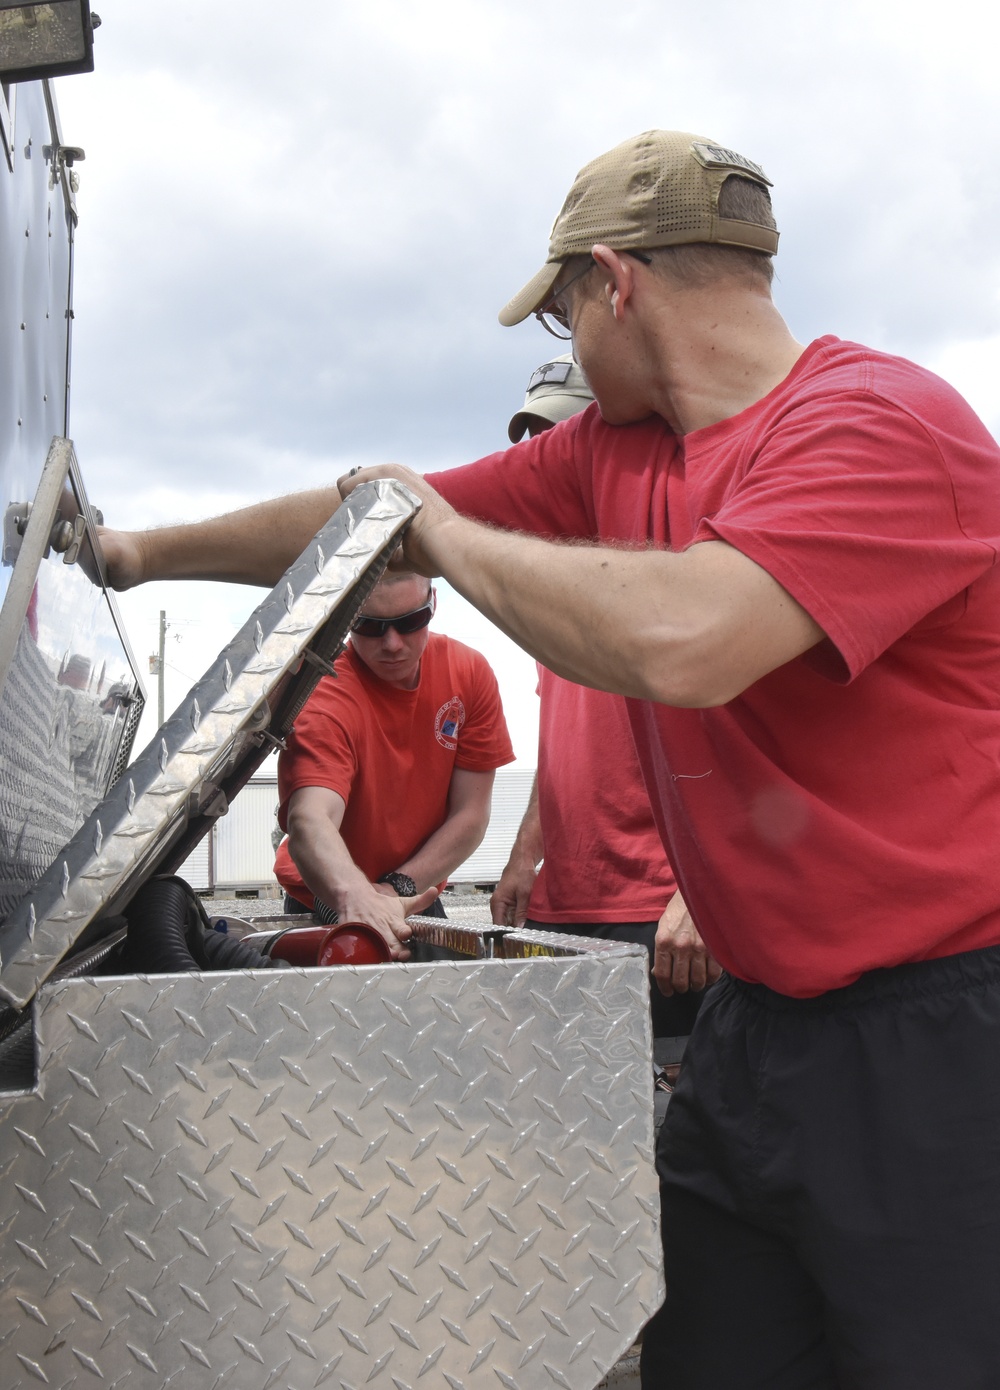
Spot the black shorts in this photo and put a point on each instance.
(830, 1180)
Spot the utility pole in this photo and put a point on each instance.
(157, 666)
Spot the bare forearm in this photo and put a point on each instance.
(689, 629)
(582, 610)
(252, 546)
(323, 859)
(441, 853)
(528, 847)
(325, 863)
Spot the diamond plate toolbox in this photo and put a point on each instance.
(411, 1175)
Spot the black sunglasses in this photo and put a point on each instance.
(404, 624)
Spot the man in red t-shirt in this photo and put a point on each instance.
(385, 785)
(588, 857)
(799, 596)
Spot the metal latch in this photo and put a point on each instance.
(320, 662)
(65, 538)
(61, 159)
(209, 800)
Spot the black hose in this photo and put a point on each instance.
(157, 942)
(229, 953)
(169, 933)
(17, 1057)
(222, 951)
(10, 1021)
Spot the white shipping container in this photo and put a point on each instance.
(511, 791)
(197, 867)
(244, 854)
(238, 853)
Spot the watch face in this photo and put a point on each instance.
(402, 883)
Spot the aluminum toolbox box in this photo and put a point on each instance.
(436, 1174)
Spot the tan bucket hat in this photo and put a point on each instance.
(556, 390)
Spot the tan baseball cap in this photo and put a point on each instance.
(660, 188)
(556, 390)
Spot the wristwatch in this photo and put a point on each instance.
(402, 884)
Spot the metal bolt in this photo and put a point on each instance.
(61, 536)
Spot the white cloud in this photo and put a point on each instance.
(297, 225)
(973, 367)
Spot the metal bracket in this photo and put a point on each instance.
(15, 521)
(30, 536)
(61, 159)
(208, 800)
(65, 537)
(259, 718)
(320, 662)
(257, 727)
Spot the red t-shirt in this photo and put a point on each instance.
(843, 812)
(604, 859)
(390, 753)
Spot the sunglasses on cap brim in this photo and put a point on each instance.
(404, 624)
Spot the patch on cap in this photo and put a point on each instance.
(718, 157)
(550, 374)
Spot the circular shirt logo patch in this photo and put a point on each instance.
(447, 722)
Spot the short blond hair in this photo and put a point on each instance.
(390, 577)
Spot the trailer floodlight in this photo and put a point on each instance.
(47, 40)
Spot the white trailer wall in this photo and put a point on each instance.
(197, 867)
(238, 853)
(244, 855)
(510, 798)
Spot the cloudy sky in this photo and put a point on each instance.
(298, 223)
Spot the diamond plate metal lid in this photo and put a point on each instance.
(242, 707)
